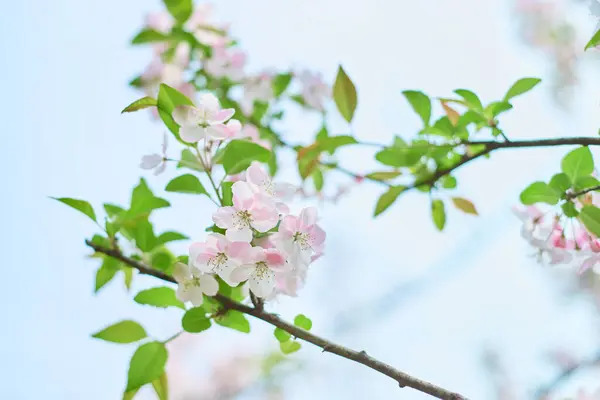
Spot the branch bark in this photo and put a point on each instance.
(361, 357)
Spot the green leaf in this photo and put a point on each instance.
(464, 205)
(400, 156)
(570, 210)
(496, 108)
(194, 320)
(521, 86)
(122, 332)
(317, 176)
(168, 99)
(189, 160)
(180, 9)
(162, 259)
(143, 201)
(303, 322)
(448, 182)
(280, 83)
(161, 387)
(106, 272)
(80, 205)
(387, 199)
(471, 99)
(159, 297)
(289, 347)
(149, 36)
(187, 183)
(438, 213)
(127, 276)
(234, 320)
(143, 234)
(590, 216)
(586, 182)
(383, 175)
(170, 236)
(136, 82)
(594, 41)
(344, 94)
(332, 143)
(227, 193)
(239, 154)
(421, 103)
(578, 163)
(147, 364)
(560, 183)
(130, 395)
(140, 104)
(539, 192)
(112, 209)
(281, 335)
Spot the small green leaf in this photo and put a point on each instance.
(471, 99)
(189, 160)
(159, 297)
(140, 104)
(521, 86)
(289, 347)
(179, 9)
(383, 175)
(586, 182)
(344, 94)
(438, 213)
(143, 234)
(80, 205)
(448, 182)
(281, 335)
(387, 199)
(162, 259)
(147, 364)
(170, 236)
(303, 322)
(332, 143)
(127, 276)
(570, 210)
(464, 205)
(578, 163)
(590, 216)
(317, 176)
(130, 395)
(496, 108)
(280, 83)
(187, 183)
(149, 36)
(560, 183)
(194, 320)
(168, 99)
(227, 193)
(161, 387)
(112, 209)
(239, 154)
(539, 192)
(421, 103)
(594, 41)
(106, 272)
(122, 332)
(143, 201)
(234, 320)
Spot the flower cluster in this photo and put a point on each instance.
(263, 245)
(559, 240)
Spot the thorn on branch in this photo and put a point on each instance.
(363, 353)
(325, 348)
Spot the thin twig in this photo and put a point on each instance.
(545, 391)
(361, 357)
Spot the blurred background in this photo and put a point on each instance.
(469, 309)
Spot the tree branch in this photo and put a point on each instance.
(361, 357)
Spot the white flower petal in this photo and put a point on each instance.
(192, 134)
(195, 295)
(150, 161)
(181, 272)
(187, 116)
(210, 102)
(264, 286)
(160, 169)
(209, 285)
(239, 235)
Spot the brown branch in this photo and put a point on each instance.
(571, 196)
(361, 357)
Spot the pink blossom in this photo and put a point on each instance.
(192, 284)
(314, 91)
(205, 121)
(249, 211)
(300, 237)
(159, 21)
(233, 128)
(259, 88)
(260, 268)
(226, 63)
(251, 131)
(218, 255)
(261, 182)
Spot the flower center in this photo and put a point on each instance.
(217, 262)
(194, 281)
(261, 270)
(268, 187)
(303, 240)
(242, 219)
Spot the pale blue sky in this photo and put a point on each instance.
(65, 66)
